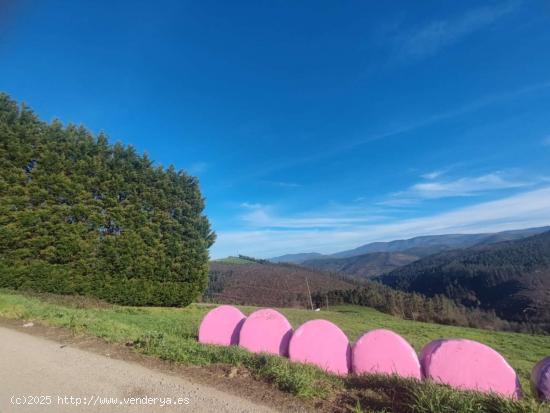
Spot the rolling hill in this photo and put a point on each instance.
(431, 244)
(265, 284)
(377, 258)
(234, 260)
(419, 246)
(363, 266)
(511, 277)
(248, 281)
(297, 258)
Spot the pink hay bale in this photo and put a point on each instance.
(540, 380)
(469, 365)
(323, 344)
(221, 326)
(385, 352)
(266, 331)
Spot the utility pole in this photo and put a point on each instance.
(309, 293)
(326, 296)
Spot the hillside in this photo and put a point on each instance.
(378, 258)
(234, 260)
(297, 258)
(417, 246)
(249, 282)
(81, 216)
(431, 244)
(512, 277)
(363, 266)
(280, 285)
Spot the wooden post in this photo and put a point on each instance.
(309, 292)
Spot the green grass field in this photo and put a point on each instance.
(170, 333)
(234, 260)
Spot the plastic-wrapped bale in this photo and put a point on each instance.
(266, 331)
(385, 352)
(221, 326)
(540, 380)
(469, 365)
(323, 344)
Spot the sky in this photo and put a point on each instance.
(312, 125)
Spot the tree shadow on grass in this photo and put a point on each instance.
(377, 393)
(382, 393)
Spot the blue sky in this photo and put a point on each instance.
(313, 126)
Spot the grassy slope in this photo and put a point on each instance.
(171, 333)
(233, 260)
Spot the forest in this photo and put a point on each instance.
(510, 278)
(413, 306)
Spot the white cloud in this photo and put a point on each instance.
(432, 175)
(263, 216)
(528, 209)
(249, 205)
(438, 34)
(399, 200)
(466, 186)
(432, 188)
(287, 184)
(198, 168)
(283, 184)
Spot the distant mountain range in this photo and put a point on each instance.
(297, 258)
(511, 277)
(420, 246)
(377, 258)
(363, 266)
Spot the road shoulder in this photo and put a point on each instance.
(229, 383)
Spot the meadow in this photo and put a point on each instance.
(170, 333)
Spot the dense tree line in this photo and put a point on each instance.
(252, 259)
(412, 306)
(512, 278)
(81, 216)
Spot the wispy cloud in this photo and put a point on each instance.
(347, 145)
(432, 175)
(546, 141)
(527, 209)
(252, 206)
(260, 216)
(439, 34)
(464, 186)
(473, 106)
(198, 168)
(284, 184)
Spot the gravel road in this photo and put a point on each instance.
(37, 370)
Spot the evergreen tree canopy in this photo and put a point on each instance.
(81, 216)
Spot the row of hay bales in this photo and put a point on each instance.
(460, 363)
